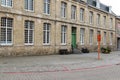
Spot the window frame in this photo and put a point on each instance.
(47, 7)
(91, 36)
(82, 11)
(73, 12)
(63, 35)
(91, 17)
(63, 9)
(28, 29)
(6, 5)
(45, 38)
(82, 36)
(28, 6)
(6, 36)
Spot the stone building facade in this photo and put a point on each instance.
(40, 27)
(118, 32)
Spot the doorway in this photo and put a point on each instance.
(74, 37)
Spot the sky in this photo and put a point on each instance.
(115, 5)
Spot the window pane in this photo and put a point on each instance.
(3, 35)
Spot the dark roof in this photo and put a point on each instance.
(102, 6)
(92, 2)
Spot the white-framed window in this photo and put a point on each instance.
(81, 14)
(111, 38)
(91, 17)
(6, 31)
(63, 9)
(46, 33)
(98, 19)
(104, 38)
(29, 32)
(73, 12)
(82, 36)
(7, 3)
(47, 6)
(63, 34)
(91, 38)
(111, 22)
(29, 5)
(104, 21)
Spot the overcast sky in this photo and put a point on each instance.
(115, 5)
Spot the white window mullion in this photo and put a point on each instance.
(6, 32)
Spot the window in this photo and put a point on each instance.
(111, 22)
(104, 39)
(111, 38)
(6, 31)
(104, 21)
(63, 9)
(91, 37)
(6, 3)
(29, 32)
(90, 17)
(47, 6)
(29, 5)
(82, 14)
(82, 36)
(46, 33)
(98, 19)
(73, 12)
(63, 34)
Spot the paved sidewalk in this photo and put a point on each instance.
(55, 63)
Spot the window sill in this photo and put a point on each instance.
(32, 11)
(46, 44)
(46, 14)
(7, 6)
(63, 44)
(28, 44)
(6, 44)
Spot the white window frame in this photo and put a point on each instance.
(111, 38)
(63, 34)
(82, 14)
(82, 36)
(63, 9)
(6, 5)
(28, 29)
(73, 12)
(98, 19)
(105, 38)
(7, 27)
(104, 21)
(111, 23)
(91, 17)
(91, 37)
(28, 6)
(47, 7)
(46, 25)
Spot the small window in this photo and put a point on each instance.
(47, 6)
(73, 12)
(6, 3)
(46, 33)
(29, 5)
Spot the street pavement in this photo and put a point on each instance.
(40, 67)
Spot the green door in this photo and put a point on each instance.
(74, 38)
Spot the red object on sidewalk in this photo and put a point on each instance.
(99, 39)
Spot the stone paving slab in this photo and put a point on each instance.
(56, 62)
